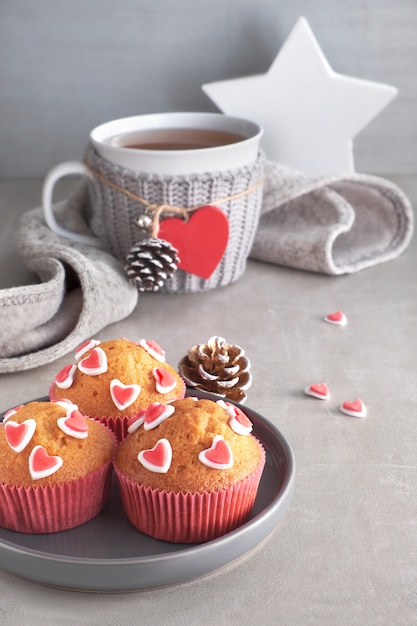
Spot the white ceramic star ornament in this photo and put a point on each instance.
(310, 114)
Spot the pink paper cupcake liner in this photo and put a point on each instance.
(49, 509)
(118, 425)
(188, 517)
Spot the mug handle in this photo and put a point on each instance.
(57, 172)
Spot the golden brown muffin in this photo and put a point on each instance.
(189, 471)
(55, 467)
(117, 378)
(77, 456)
(190, 430)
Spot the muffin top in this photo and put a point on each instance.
(118, 377)
(189, 445)
(45, 443)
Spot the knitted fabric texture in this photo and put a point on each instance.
(80, 291)
(333, 225)
(115, 214)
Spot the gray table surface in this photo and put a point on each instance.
(345, 554)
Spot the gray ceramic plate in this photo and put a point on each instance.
(109, 555)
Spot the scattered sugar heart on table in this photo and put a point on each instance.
(219, 455)
(41, 464)
(355, 408)
(200, 241)
(95, 363)
(19, 435)
(319, 390)
(123, 395)
(338, 318)
(159, 458)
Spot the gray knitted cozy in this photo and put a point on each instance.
(115, 213)
(329, 225)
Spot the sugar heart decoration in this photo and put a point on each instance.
(95, 363)
(154, 349)
(86, 346)
(66, 404)
(122, 395)
(136, 421)
(354, 409)
(338, 318)
(11, 412)
(65, 377)
(318, 390)
(239, 422)
(201, 241)
(41, 464)
(218, 456)
(157, 413)
(159, 458)
(19, 435)
(165, 381)
(74, 424)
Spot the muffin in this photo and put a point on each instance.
(189, 471)
(114, 380)
(55, 467)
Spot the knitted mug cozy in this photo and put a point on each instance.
(126, 196)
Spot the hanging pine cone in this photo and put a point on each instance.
(217, 367)
(150, 263)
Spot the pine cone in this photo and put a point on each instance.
(150, 263)
(217, 367)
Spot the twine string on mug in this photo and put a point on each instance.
(158, 209)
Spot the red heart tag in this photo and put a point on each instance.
(218, 456)
(123, 395)
(159, 458)
(95, 363)
(41, 464)
(200, 242)
(74, 424)
(165, 381)
(19, 435)
(156, 414)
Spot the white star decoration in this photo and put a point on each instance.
(310, 114)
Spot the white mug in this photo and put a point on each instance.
(109, 141)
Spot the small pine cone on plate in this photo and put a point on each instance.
(217, 367)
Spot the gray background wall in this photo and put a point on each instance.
(66, 66)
